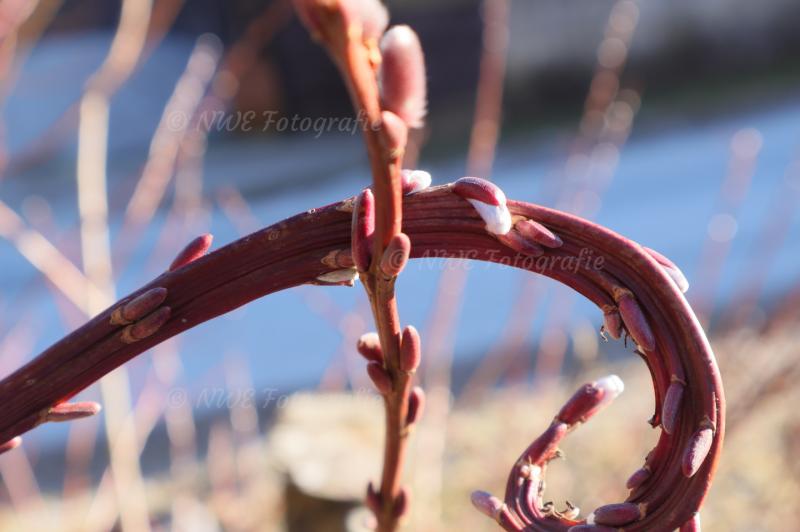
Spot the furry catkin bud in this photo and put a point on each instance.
(369, 346)
(394, 134)
(147, 326)
(612, 387)
(692, 525)
(395, 256)
(362, 230)
(11, 444)
(617, 514)
(696, 451)
(193, 251)
(416, 405)
(380, 377)
(488, 200)
(486, 503)
(346, 277)
(402, 75)
(72, 411)
(538, 233)
(410, 350)
(585, 400)
(671, 407)
(139, 307)
(414, 180)
(636, 322)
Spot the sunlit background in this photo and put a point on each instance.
(129, 128)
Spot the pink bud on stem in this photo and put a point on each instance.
(479, 189)
(612, 387)
(402, 75)
(393, 134)
(72, 411)
(486, 503)
(380, 378)
(617, 514)
(636, 322)
(416, 406)
(586, 399)
(697, 450)
(671, 407)
(395, 256)
(638, 478)
(521, 244)
(363, 230)
(671, 269)
(139, 307)
(410, 350)
(489, 200)
(401, 503)
(369, 346)
(538, 233)
(193, 251)
(147, 326)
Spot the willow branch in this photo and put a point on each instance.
(616, 274)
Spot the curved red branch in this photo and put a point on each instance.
(618, 275)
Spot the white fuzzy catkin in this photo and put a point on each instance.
(497, 218)
(415, 180)
(339, 276)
